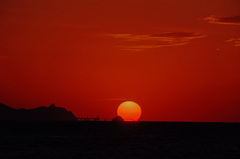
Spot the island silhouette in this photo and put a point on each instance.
(118, 119)
(42, 113)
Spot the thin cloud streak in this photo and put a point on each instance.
(234, 41)
(145, 47)
(149, 41)
(234, 20)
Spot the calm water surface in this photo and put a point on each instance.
(76, 140)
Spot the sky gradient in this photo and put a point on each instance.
(179, 60)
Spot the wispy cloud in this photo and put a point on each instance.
(143, 42)
(234, 41)
(233, 20)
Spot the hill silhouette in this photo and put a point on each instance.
(43, 113)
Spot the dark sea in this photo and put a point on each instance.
(80, 140)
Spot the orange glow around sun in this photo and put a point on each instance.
(129, 111)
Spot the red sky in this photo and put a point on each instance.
(179, 60)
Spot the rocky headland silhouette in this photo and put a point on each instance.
(43, 113)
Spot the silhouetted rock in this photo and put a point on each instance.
(52, 106)
(51, 113)
(118, 118)
(4, 107)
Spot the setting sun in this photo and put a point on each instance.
(129, 111)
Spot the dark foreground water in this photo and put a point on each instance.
(77, 140)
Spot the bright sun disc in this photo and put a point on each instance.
(129, 111)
